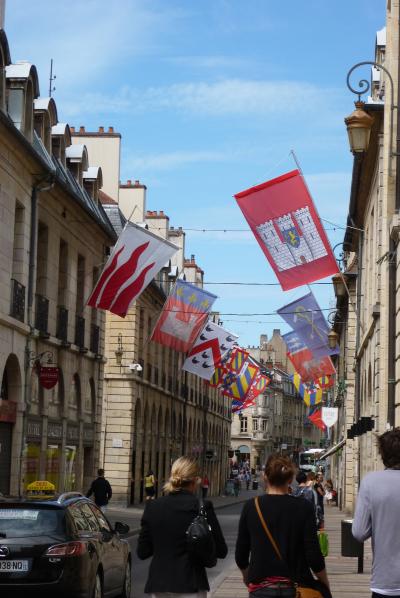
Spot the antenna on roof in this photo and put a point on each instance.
(51, 79)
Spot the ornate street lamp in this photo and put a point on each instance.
(359, 124)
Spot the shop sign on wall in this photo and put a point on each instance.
(48, 376)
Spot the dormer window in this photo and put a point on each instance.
(22, 88)
(4, 61)
(44, 118)
(77, 159)
(93, 181)
(61, 139)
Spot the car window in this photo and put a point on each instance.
(17, 521)
(93, 522)
(100, 517)
(78, 517)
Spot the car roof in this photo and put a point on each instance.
(57, 501)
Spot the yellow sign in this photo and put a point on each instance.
(41, 489)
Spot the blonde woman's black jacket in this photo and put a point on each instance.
(163, 536)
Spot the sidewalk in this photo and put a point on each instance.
(132, 515)
(344, 579)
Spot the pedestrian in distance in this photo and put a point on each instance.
(205, 484)
(377, 517)
(247, 478)
(329, 492)
(101, 489)
(173, 571)
(277, 543)
(150, 485)
(236, 486)
(320, 490)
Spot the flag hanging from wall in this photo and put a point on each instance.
(306, 319)
(309, 367)
(283, 218)
(183, 316)
(310, 394)
(237, 385)
(211, 346)
(329, 416)
(316, 419)
(136, 259)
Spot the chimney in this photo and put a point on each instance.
(192, 258)
(81, 129)
(137, 183)
(72, 129)
(129, 182)
(101, 129)
(111, 129)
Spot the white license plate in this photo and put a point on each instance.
(13, 566)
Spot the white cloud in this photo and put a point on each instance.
(229, 97)
(209, 62)
(170, 160)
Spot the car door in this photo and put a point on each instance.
(114, 552)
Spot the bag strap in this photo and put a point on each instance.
(265, 526)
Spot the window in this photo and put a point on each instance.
(92, 521)
(80, 285)
(42, 259)
(264, 423)
(255, 424)
(62, 273)
(104, 525)
(243, 424)
(78, 517)
(18, 246)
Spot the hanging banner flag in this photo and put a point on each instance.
(239, 406)
(283, 218)
(218, 376)
(309, 393)
(237, 360)
(325, 382)
(237, 386)
(315, 418)
(183, 316)
(304, 363)
(329, 416)
(136, 259)
(211, 346)
(307, 320)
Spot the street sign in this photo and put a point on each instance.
(209, 454)
(284, 447)
(48, 376)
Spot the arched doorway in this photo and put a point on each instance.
(9, 397)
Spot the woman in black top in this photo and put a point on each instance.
(291, 522)
(163, 536)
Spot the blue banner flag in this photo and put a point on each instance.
(308, 322)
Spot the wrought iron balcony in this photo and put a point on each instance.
(42, 315)
(80, 332)
(94, 338)
(62, 324)
(17, 307)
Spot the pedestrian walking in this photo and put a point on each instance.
(236, 486)
(101, 489)
(320, 490)
(329, 492)
(205, 484)
(247, 478)
(277, 544)
(377, 517)
(163, 536)
(150, 485)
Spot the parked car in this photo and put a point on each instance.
(61, 547)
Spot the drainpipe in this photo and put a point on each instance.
(357, 385)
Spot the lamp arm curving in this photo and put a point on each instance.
(365, 86)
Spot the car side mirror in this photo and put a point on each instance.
(121, 528)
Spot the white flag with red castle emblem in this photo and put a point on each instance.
(211, 346)
(136, 259)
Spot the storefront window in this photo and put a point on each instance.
(53, 454)
(70, 468)
(32, 463)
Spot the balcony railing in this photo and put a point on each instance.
(17, 307)
(42, 314)
(260, 435)
(62, 324)
(80, 331)
(94, 338)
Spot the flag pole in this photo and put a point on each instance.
(292, 152)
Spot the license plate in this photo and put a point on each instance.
(14, 566)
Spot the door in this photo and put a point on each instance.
(5, 457)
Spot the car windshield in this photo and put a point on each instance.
(17, 521)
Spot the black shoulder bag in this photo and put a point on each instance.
(200, 540)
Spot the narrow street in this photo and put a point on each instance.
(228, 519)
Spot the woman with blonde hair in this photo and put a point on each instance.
(277, 545)
(163, 536)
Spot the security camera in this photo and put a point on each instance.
(135, 367)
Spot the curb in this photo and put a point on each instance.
(136, 531)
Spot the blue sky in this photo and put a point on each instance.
(210, 96)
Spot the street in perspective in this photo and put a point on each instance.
(199, 299)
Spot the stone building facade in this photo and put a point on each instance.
(367, 319)
(159, 412)
(54, 237)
